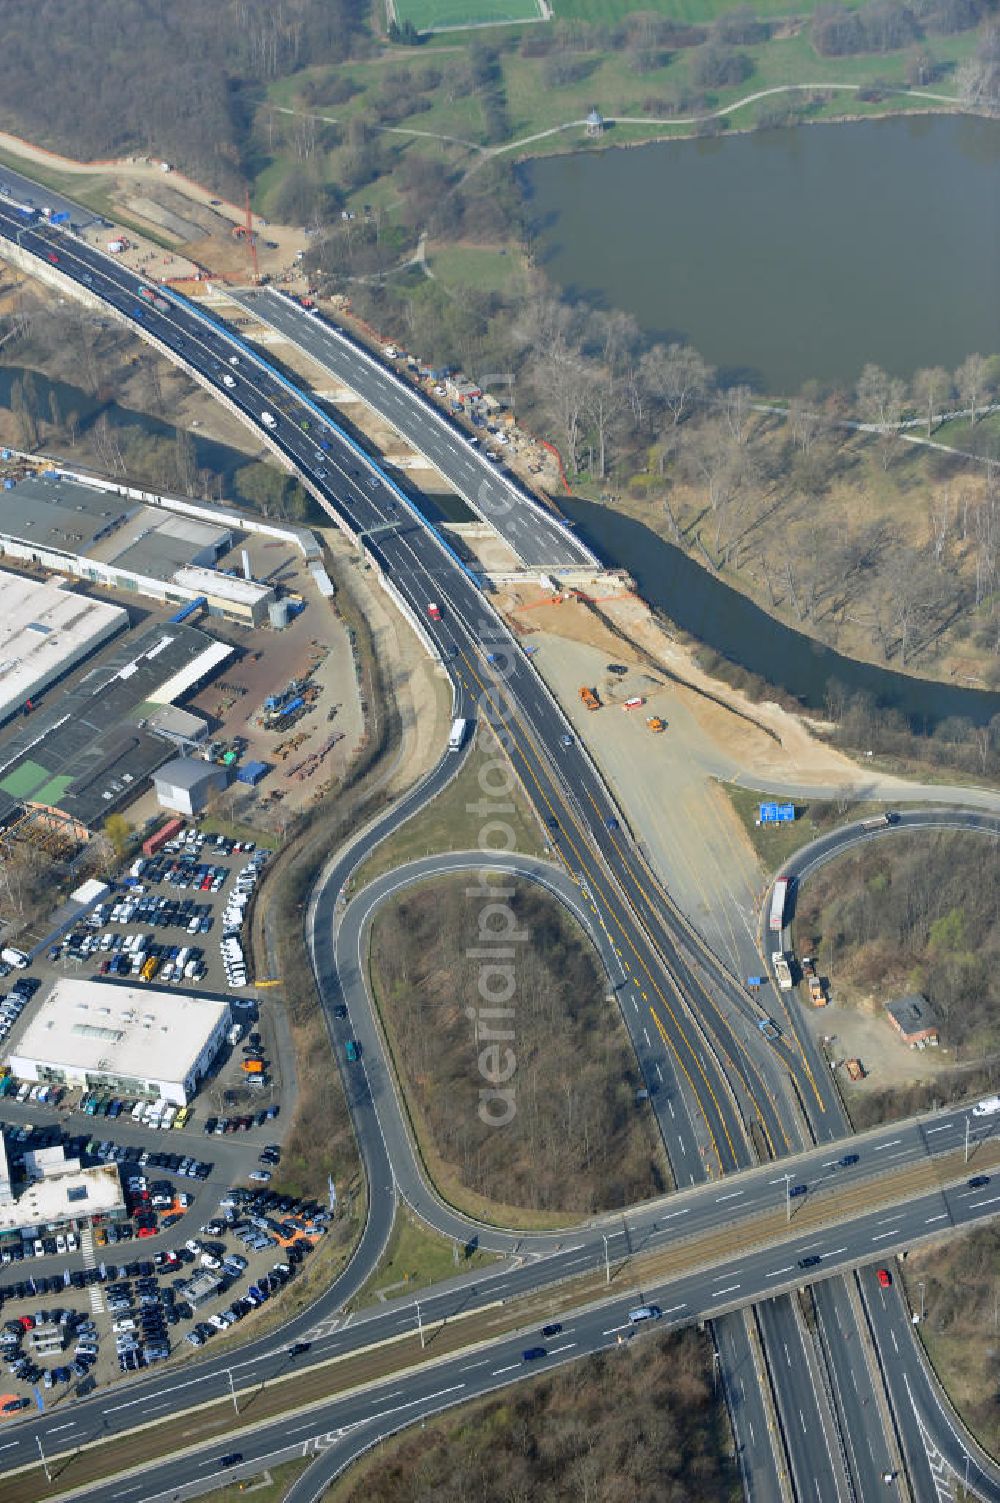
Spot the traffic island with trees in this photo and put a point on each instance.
(641, 1421)
(578, 1137)
(916, 914)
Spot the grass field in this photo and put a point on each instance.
(434, 15)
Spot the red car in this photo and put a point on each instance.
(147, 1231)
(434, 611)
(53, 258)
(884, 1277)
(26, 1322)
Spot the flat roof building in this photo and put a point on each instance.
(60, 1196)
(186, 784)
(913, 1019)
(128, 1039)
(45, 630)
(228, 595)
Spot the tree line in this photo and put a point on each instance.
(178, 81)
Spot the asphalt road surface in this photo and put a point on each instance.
(539, 537)
(594, 847)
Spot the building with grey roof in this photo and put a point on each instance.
(914, 1019)
(186, 784)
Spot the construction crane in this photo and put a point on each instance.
(245, 232)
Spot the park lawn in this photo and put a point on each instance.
(416, 1258)
(958, 433)
(479, 268)
(429, 15)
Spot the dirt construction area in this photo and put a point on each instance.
(667, 782)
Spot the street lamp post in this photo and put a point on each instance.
(922, 1287)
(788, 1197)
(232, 1389)
(607, 1260)
(45, 1465)
(420, 1326)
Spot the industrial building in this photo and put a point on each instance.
(186, 784)
(59, 1195)
(229, 595)
(126, 1039)
(100, 535)
(45, 630)
(100, 739)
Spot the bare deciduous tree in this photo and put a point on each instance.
(676, 376)
(931, 389)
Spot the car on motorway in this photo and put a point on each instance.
(848, 1159)
(794, 1190)
(810, 1261)
(353, 1050)
(231, 1458)
(566, 740)
(644, 1312)
(884, 1277)
(434, 611)
(979, 1181)
(532, 1353)
(552, 1330)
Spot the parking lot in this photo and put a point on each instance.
(216, 1244)
(176, 918)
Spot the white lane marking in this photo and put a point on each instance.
(943, 1128)
(498, 1370)
(975, 1204)
(566, 1347)
(879, 1236)
(58, 1428)
(880, 1147)
(731, 1196)
(671, 1214)
(9, 1444)
(942, 1217)
(886, 1219)
(775, 1271)
(728, 1290)
(894, 1343)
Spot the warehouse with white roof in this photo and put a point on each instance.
(45, 630)
(130, 1040)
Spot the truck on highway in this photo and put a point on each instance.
(779, 897)
(782, 971)
(159, 303)
(269, 420)
(988, 1107)
(456, 736)
(590, 698)
(879, 821)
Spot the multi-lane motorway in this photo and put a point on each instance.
(710, 1074)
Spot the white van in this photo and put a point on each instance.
(15, 957)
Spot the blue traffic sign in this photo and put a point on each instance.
(777, 814)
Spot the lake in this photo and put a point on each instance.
(785, 255)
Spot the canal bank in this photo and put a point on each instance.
(712, 612)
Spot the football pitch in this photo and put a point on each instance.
(440, 15)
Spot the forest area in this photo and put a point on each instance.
(639, 1422)
(918, 912)
(577, 1140)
